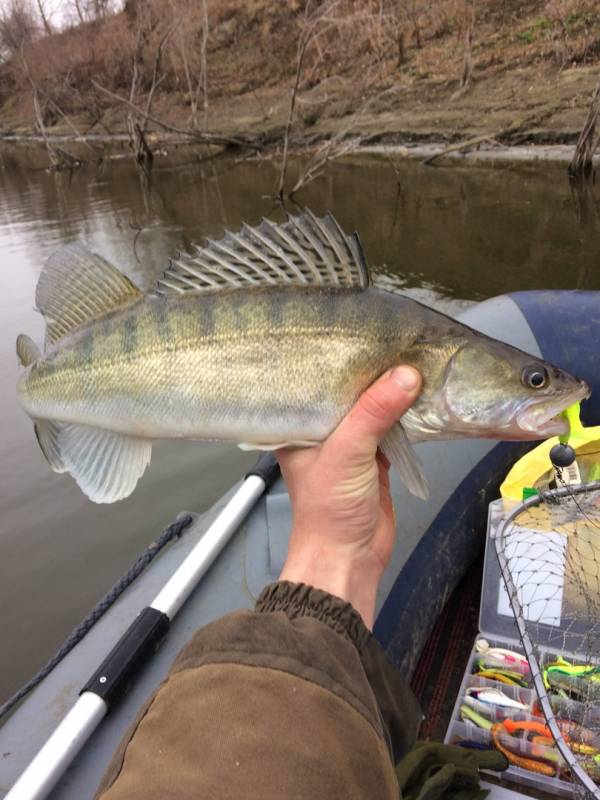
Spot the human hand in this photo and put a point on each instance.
(343, 530)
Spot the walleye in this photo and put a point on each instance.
(267, 338)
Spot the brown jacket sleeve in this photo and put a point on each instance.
(293, 700)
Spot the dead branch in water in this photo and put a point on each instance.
(468, 144)
(199, 136)
(332, 149)
(301, 51)
(581, 165)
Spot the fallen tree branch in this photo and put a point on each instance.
(462, 146)
(200, 136)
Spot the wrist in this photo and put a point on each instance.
(354, 579)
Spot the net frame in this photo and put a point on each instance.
(499, 536)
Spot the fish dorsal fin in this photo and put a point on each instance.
(77, 286)
(304, 251)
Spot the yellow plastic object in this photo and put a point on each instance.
(535, 464)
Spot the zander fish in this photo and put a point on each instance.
(267, 338)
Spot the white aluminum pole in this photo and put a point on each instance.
(43, 773)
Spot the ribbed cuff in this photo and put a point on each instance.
(299, 600)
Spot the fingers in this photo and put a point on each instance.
(377, 409)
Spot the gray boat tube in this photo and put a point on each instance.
(139, 642)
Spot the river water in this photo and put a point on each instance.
(448, 236)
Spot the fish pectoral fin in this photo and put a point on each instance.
(47, 434)
(106, 465)
(27, 350)
(399, 452)
(77, 286)
(304, 251)
(274, 446)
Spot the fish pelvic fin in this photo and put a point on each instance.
(75, 287)
(399, 452)
(304, 251)
(106, 465)
(27, 350)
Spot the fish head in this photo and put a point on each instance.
(488, 389)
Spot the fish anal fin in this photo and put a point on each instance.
(106, 465)
(77, 286)
(399, 452)
(47, 434)
(304, 251)
(27, 350)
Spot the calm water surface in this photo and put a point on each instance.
(447, 236)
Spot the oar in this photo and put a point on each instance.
(139, 642)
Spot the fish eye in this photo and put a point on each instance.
(535, 377)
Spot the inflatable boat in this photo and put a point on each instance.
(239, 546)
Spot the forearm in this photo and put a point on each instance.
(350, 577)
(295, 699)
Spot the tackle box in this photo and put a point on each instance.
(498, 627)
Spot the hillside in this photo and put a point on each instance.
(382, 69)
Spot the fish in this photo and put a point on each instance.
(266, 337)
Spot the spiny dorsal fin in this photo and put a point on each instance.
(27, 350)
(77, 286)
(305, 251)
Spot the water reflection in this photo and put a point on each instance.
(447, 236)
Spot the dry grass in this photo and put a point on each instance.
(357, 47)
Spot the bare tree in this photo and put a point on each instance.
(582, 162)
(466, 79)
(44, 17)
(79, 10)
(17, 27)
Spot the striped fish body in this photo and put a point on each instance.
(263, 366)
(267, 338)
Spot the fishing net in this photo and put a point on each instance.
(548, 549)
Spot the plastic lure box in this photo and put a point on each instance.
(497, 625)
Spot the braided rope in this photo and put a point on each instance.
(173, 531)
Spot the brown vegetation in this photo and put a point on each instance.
(229, 66)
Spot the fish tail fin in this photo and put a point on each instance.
(27, 350)
(106, 465)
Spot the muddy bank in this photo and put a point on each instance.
(30, 152)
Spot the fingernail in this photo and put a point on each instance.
(406, 377)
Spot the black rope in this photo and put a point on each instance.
(174, 531)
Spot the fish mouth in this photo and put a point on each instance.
(541, 419)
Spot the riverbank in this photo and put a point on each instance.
(31, 152)
(515, 73)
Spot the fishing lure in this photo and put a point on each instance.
(581, 689)
(571, 710)
(580, 739)
(563, 667)
(531, 764)
(506, 676)
(469, 744)
(490, 695)
(468, 714)
(500, 657)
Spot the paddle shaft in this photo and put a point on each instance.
(140, 640)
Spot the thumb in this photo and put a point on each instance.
(376, 410)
